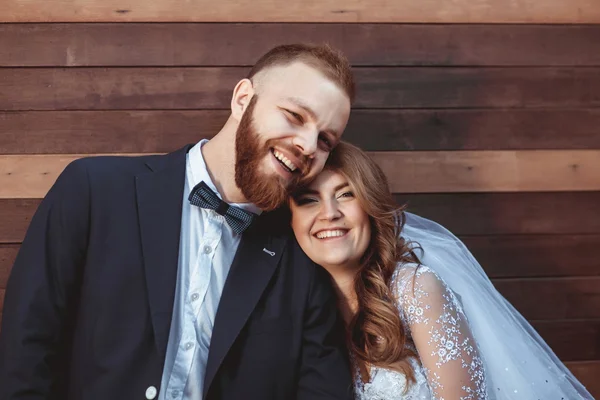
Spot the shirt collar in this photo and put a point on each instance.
(200, 173)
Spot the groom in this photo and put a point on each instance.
(158, 277)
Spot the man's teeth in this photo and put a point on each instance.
(328, 234)
(284, 160)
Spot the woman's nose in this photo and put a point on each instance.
(330, 210)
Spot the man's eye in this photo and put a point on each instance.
(326, 142)
(296, 116)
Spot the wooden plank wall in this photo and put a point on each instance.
(484, 114)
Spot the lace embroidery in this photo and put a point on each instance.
(448, 340)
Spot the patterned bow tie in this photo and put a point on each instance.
(238, 219)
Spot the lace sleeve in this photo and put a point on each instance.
(441, 335)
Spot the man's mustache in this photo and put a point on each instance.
(302, 159)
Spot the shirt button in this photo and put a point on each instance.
(195, 296)
(207, 249)
(189, 345)
(175, 393)
(151, 393)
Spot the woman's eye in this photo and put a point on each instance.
(347, 194)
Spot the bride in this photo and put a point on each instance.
(423, 321)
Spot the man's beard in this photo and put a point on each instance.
(267, 192)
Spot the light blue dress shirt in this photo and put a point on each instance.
(206, 250)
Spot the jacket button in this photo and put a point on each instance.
(151, 393)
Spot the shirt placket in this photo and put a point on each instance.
(199, 281)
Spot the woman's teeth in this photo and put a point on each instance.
(328, 234)
(284, 160)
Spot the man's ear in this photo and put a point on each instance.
(242, 94)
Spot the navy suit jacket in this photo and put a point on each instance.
(89, 301)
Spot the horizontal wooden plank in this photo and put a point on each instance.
(587, 372)
(553, 298)
(509, 213)
(461, 11)
(506, 256)
(229, 44)
(211, 88)
(490, 171)
(15, 217)
(87, 132)
(564, 213)
(502, 256)
(30, 176)
(571, 340)
(8, 254)
(573, 298)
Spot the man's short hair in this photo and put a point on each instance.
(327, 60)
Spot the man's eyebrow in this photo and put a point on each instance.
(300, 103)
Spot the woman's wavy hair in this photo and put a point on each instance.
(376, 334)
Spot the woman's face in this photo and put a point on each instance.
(329, 223)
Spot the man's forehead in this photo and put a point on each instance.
(289, 74)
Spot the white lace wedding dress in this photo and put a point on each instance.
(448, 366)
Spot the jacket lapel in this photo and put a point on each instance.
(255, 262)
(159, 200)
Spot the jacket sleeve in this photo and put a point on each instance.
(40, 301)
(325, 371)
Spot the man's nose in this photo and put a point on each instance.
(307, 142)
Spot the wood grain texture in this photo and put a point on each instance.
(31, 176)
(15, 217)
(587, 372)
(211, 88)
(229, 44)
(511, 256)
(568, 213)
(501, 256)
(490, 171)
(509, 213)
(459, 11)
(88, 132)
(8, 253)
(571, 340)
(553, 298)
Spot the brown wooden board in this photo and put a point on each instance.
(459, 11)
(211, 88)
(84, 132)
(15, 217)
(587, 372)
(8, 253)
(571, 340)
(30, 176)
(569, 213)
(229, 44)
(506, 256)
(553, 298)
(503, 256)
(509, 213)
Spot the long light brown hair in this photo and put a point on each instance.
(376, 334)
